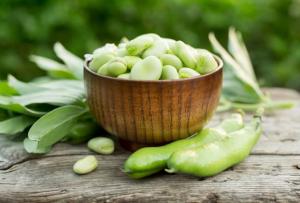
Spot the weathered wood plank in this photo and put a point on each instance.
(269, 175)
(259, 179)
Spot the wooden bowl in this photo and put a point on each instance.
(147, 113)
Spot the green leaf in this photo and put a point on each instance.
(32, 146)
(243, 85)
(64, 84)
(33, 87)
(8, 104)
(73, 62)
(54, 97)
(237, 48)
(22, 87)
(54, 69)
(53, 127)
(235, 89)
(15, 125)
(6, 89)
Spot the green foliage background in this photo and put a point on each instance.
(271, 29)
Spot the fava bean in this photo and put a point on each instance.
(139, 44)
(116, 68)
(206, 63)
(158, 48)
(103, 70)
(172, 45)
(122, 52)
(85, 165)
(106, 49)
(187, 73)
(149, 68)
(124, 76)
(102, 55)
(170, 59)
(100, 60)
(101, 145)
(169, 73)
(131, 60)
(186, 54)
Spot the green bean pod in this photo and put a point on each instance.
(142, 174)
(149, 160)
(215, 157)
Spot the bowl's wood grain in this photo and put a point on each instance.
(152, 112)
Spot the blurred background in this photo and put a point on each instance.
(271, 30)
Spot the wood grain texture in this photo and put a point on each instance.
(270, 174)
(152, 112)
(258, 179)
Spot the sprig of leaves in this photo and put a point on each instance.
(50, 109)
(240, 87)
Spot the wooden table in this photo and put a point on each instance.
(270, 174)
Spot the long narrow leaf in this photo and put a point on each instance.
(234, 89)
(22, 87)
(64, 84)
(8, 104)
(53, 126)
(237, 48)
(54, 97)
(15, 125)
(234, 68)
(34, 87)
(73, 62)
(54, 69)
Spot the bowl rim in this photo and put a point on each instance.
(218, 59)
